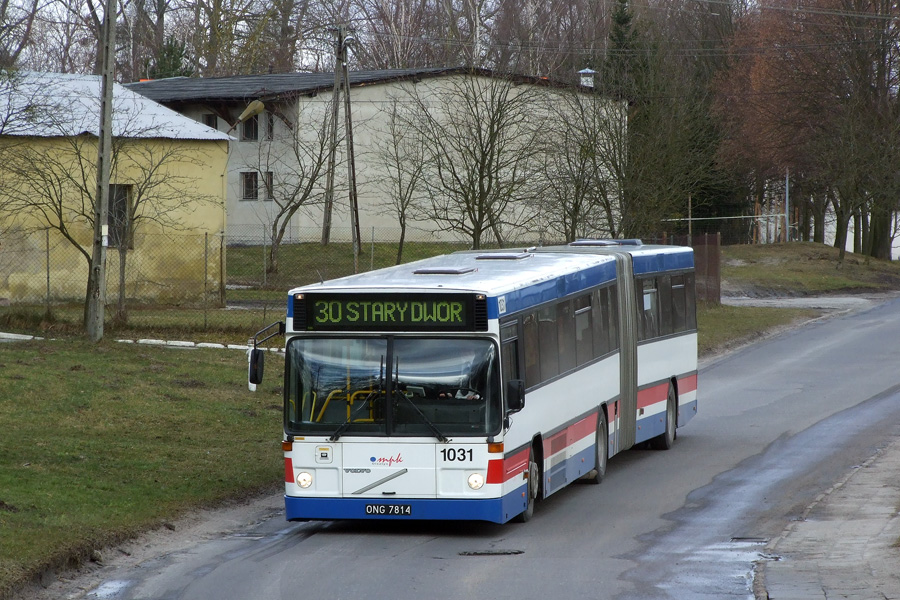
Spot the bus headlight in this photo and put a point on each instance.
(476, 480)
(304, 479)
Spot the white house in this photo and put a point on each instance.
(275, 149)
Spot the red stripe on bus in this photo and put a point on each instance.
(652, 395)
(288, 470)
(501, 470)
(687, 384)
(571, 434)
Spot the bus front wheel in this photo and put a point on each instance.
(534, 486)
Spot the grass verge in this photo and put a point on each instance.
(101, 442)
(722, 327)
(803, 268)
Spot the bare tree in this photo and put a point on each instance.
(396, 34)
(16, 20)
(554, 38)
(148, 191)
(586, 164)
(399, 163)
(480, 139)
(291, 167)
(833, 63)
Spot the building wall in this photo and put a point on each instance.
(188, 187)
(248, 220)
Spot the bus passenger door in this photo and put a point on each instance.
(626, 420)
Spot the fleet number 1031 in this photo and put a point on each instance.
(456, 454)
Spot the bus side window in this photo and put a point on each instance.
(549, 342)
(679, 315)
(530, 341)
(665, 305)
(691, 301)
(509, 350)
(600, 318)
(648, 308)
(566, 334)
(584, 334)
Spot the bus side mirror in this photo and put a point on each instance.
(257, 362)
(515, 395)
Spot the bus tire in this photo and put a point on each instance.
(602, 451)
(666, 440)
(533, 490)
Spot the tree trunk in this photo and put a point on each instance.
(880, 232)
(841, 225)
(820, 209)
(402, 239)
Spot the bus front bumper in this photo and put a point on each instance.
(495, 510)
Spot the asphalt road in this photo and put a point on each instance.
(778, 423)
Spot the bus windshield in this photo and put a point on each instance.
(401, 386)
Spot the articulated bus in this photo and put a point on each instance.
(472, 385)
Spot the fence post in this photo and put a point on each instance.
(222, 269)
(47, 248)
(205, 277)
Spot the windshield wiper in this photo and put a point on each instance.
(396, 389)
(376, 391)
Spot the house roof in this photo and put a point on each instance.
(62, 105)
(243, 88)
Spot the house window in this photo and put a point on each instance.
(117, 216)
(210, 120)
(269, 179)
(250, 129)
(250, 185)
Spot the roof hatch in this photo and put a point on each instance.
(504, 256)
(631, 242)
(444, 271)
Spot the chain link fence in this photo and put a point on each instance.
(208, 282)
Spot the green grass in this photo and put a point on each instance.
(103, 441)
(721, 327)
(804, 268)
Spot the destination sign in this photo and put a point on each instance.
(389, 312)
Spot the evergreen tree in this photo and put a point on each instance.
(171, 61)
(618, 73)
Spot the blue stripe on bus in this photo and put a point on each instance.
(653, 425)
(567, 471)
(290, 307)
(554, 289)
(496, 510)
(663, 261)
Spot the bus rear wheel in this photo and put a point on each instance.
(666, 440)
(602, 451)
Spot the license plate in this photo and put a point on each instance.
(389, 510)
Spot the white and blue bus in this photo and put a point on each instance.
(471, 385)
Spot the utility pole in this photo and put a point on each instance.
(339, 59)
(97, 278)
(342, 84)
(351, 159)
(787, 204)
